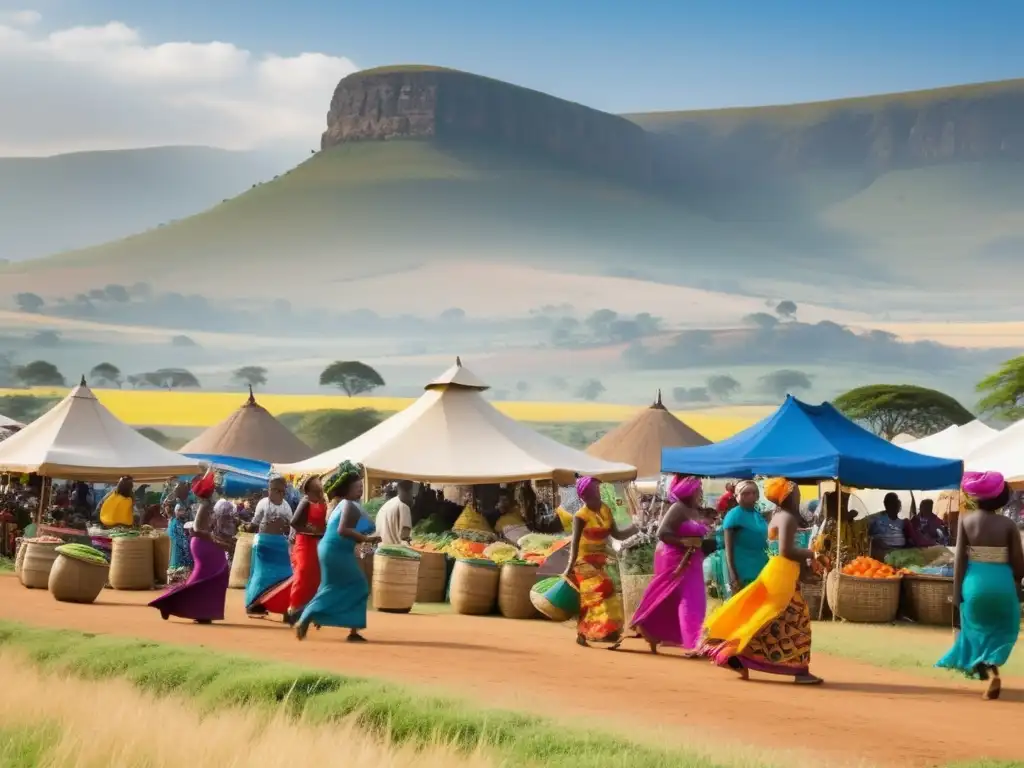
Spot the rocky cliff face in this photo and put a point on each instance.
(397, 103)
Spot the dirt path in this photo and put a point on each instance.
(862, 714)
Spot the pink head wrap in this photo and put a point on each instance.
(682, 487)
(983, 485)
(583, 483)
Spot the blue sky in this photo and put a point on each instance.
(618, 56)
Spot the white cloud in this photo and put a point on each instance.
(107, 86)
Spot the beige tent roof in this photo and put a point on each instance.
(639, 440)
(453, 435)
(79, 439)
(250, 433)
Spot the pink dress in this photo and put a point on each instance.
(673, 607)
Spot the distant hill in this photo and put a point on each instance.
(896, 193)
(57, 203)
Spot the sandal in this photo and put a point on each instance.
(300, 630)
(582, 641)
(807, 679)
(355, 637)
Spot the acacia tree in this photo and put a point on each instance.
(1003, 391)
(40, 373)
(723, 386)
(892, 409)
(171, 378)
(784, 382)
(351, 377)
(250, 375)
(106, 373)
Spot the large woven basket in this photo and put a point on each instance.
(241, 562)
(394, 583)
(861, 600)
(19, 556)
(77, 581)
(514, 584)
(432, 578)
(161, 557)
(38, 560)
(928, 599)
(633, 588)
(474, 587)
(814, 594)
(131, 562)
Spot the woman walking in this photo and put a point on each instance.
(202, 597)
(340, 600)
(673, 606)
(269, 587)
(745, 534)
(987, 574)
(308, 524)
(593, 569)
(766, 627)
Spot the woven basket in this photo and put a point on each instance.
(77, 581)
(813, 593)
(633, 588)
(861, 600)
(161, 557)
(241, 562)
(131, 562)
(395, 582)
(514, 584)
(39, 559)
(928, 599)
(559, 602)
(19, 556)
(432, 579)
(474, 588)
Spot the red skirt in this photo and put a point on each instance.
(305, 571)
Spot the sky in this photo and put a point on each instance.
(241, 74)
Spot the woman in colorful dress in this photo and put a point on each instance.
(340, 600)
(593, 569)
(177, 508)
(269, 587)
(308, 524)
(987, 573)
(673, 606)
(202, 597)
(745, 538)
(766, 626)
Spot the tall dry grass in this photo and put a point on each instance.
(52, 721)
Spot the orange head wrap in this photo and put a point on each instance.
(778, 489)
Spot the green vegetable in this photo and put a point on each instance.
(538, 542)
(919, 558)
(432, 524)
(82, 552)
(396, 550)
(372, 507)
(638, 560)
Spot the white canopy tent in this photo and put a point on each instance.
(1003, 453)
(953, 442)
(452, 435)
(79, 439)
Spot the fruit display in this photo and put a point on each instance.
(869, 568)
(501, 552)
(432, 542)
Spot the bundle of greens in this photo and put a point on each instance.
(399, 551)
(82, 552)
(538, 542)
(432, 542)
(918, 558)
(372, 507)
(432, 524)
(637, 555)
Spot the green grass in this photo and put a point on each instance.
(23, 747)
(212, 681)
(6, 564)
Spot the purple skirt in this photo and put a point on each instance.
(202, 597)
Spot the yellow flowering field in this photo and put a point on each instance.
(202, 409)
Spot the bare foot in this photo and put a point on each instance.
(995, 686)
(581, 640)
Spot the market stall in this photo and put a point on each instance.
(804, 442)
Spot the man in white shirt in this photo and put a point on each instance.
(394, 520)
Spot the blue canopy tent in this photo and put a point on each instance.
(241, 476)
(814, 442)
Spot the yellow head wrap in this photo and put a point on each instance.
(778, 489)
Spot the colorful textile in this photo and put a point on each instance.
(181, 553)
(340, 600)
(202, 597)
(726, 502)
(673, 606)
(597, 576)
(778, 489)
(204, 485)
(269, 576)
(583, 483)
(117, 510)
(565, 518)
(989, 618)
(305, 571)
(346, 472)
(983, 485)
(681, 488)
(750, 542)
(765, 627)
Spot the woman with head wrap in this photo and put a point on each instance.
(673, 606)
(308, 524)
(202, 597)
(987, 575)
(269, 587)
(341, 598)
(592, 567)
(745, 538)
(766, 626)
(177, 508)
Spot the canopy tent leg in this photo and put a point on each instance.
(839, 548)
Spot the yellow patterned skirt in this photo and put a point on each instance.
(765, 627)
(602, 617)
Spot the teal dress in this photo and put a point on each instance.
(341, 599)
(989, 618)
(750, 542)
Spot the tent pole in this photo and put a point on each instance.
(44, 488)
(839, 547)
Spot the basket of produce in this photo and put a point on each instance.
(395, 578)
(867, 591)
(501, 552)
(928, 599)
(161, 557)
(474, 587)
(78, 574)
(515, 582)
(40, 554)
(131, 561)
(432, 578)
(241, 562)
(556, 597)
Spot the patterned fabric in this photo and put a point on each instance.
(597, 575)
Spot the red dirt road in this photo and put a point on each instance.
(862, 714)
